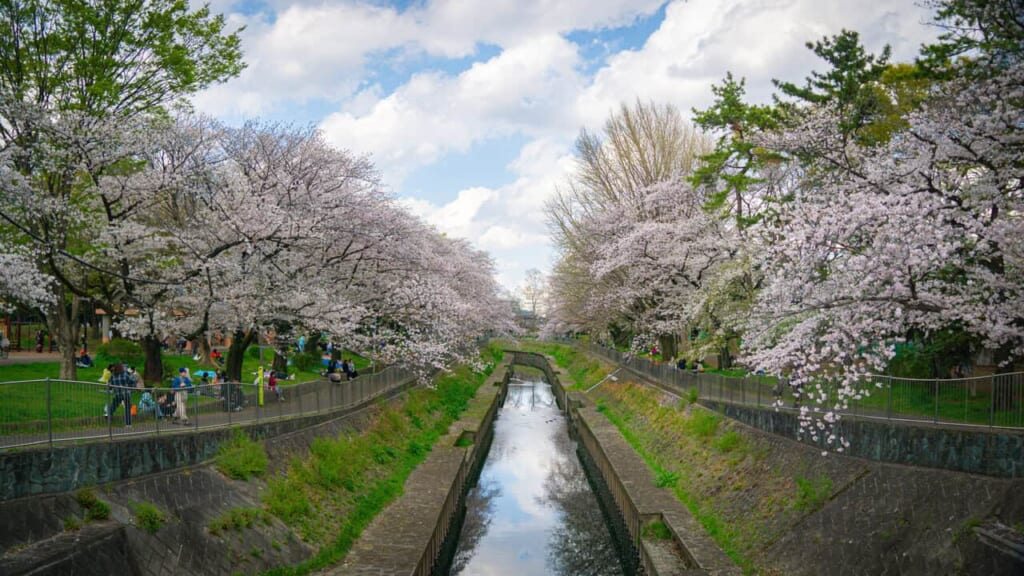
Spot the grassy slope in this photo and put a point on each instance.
(734, 483)
(331, 495)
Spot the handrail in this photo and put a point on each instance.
(994, 401)
(52, 411)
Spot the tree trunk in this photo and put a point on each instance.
(236, 354)
(63, 324)
(203, 350)
(281, 358)
(667, 344)
(153, 369)
(725, 358)
(620, 336)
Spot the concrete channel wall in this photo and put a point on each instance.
(998, 453)
(417, 534)
(628, 483)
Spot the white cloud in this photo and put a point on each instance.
(700, 40)
(527, 89)
(535, 87)
(302, 50)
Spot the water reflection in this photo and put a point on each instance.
(532, 511)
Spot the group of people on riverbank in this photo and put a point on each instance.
(335, 370)
(121, 380)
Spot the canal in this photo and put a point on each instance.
(533, 512)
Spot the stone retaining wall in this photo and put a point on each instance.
(990, 452)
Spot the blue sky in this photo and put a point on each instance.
(470, 109)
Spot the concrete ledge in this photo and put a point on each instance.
(413, 533)
(640, 501)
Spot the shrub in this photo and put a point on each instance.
(86, 497)
(71, 523)
(98, 511)
(238, 519)
(95, 509)
(692, 395)
(241, 458)
(811, 493)
(703, 424)
(120, 350)
(148, 517)
(727, 442)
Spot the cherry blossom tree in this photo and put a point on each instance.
(641, 147)
(922, 233)
(70, 110)
(265, 228)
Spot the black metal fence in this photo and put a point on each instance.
(52, 411)
(996, 401)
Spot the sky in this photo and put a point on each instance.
(470, 108)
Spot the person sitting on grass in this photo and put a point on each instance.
(147, 405)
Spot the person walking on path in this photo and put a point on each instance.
(181, 385)
(272, 385)
(120, 386)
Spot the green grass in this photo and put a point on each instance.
(657, 531)
(242, 458)
(95, 509)
(703, 423)
(148, 517)
(812, 493)
(666, 478)
(73, 405)
(238, 519)
(728, 442)
(331, 496)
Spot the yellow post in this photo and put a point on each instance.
(259, 391)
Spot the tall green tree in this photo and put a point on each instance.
(846, 85)
(733, 172)
(77, 77)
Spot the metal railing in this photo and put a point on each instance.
(52, 411)
(995, 401)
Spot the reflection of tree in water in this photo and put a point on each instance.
(581, 543)
(479, 513)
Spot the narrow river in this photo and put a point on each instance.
(533, 511)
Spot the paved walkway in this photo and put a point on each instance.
(29, 357)
(306, 398)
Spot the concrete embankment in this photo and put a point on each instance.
(51, 533)
(413, 534)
